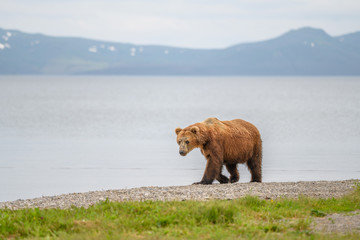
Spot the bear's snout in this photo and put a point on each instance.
(182, 152)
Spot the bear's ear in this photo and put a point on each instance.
(177, 130)
(194, 129)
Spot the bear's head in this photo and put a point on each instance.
(187, 139)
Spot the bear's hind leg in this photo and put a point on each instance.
(254, 165)
(234, 173)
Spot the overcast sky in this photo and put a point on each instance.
(182, 23)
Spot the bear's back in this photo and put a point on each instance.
(237, 127)
(242, 127)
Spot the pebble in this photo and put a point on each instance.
(273, 190)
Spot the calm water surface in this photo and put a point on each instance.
(73, 134)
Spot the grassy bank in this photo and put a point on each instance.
(248, 218)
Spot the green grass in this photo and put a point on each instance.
(246, 218)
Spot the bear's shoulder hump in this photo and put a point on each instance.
(210, 121)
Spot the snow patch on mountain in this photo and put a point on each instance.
(92, 49)
(101, 47)
(7, 36)
(33, 43)
(111, 48)
(132, 52)
(5, 45)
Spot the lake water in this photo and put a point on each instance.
(62, 134)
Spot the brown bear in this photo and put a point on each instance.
(223, 143)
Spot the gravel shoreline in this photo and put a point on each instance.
(344, 223)
(319, 189)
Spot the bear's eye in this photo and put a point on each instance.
(187, 142)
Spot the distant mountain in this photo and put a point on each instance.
(306, 51)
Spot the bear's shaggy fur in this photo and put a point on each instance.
(223, 143)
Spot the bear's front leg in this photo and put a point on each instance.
(212, 170)
(203, 182)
